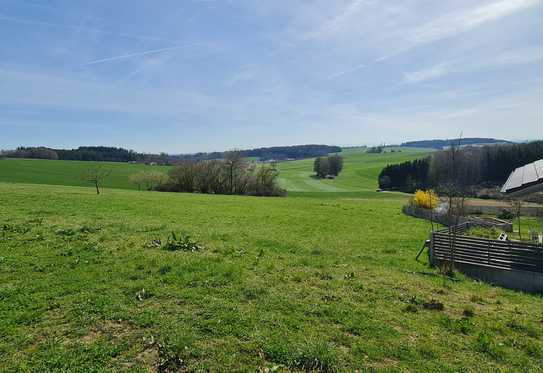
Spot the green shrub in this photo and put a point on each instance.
(182, 242)
(505, 214)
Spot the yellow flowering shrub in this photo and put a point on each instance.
(425, 199)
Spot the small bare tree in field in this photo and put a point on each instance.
(235, 163)
(455, 188)
(516, 206)
(96, 176)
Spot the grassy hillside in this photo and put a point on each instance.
(41, 171)
(287, 283)
(359, 176)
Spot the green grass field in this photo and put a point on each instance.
(359, 176)
(41, 171)
(323, 284)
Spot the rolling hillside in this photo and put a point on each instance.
(359, 176)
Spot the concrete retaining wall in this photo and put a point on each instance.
(496, 210)
(448, 220)
(531, 282)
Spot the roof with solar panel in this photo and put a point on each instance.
(525, 180)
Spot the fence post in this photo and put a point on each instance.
(488, 251)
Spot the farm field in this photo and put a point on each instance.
(359, 176)
(281, 283)
(53, 172)
(358, 179)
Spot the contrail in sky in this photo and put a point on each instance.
(341, 73)
(137, 54)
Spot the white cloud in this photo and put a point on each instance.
(338, 21)
(427, 74)
(459, 22)
(517, 56)
(79, 28)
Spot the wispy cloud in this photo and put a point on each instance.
(137, 54)
(459, 22)
(80, 28)
(427, 74)
(338, 21)
(519, 56)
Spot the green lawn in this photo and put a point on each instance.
(359, 176)
(41, 171)
(286, 283)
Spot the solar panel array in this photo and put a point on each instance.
(524, 177)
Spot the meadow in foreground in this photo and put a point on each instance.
(295, 283)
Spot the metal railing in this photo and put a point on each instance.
(452, 245)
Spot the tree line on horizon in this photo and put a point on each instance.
(440, 144)
(114, 154)
(477, 167)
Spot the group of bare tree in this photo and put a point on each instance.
(231, 175)
(148, 180)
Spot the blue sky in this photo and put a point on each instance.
(200, 75)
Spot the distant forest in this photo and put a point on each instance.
(478, 166)
(442, 144)
(278, 153)
(112, 154)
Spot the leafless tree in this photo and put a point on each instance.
(96, 176)
(234, 164)
(516, 206)
(183, 176)
(455, 188)
(149, 180)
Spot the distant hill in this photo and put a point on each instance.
(441, 144)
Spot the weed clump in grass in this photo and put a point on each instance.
(319, 357)
(485, 344)
(66, 232)
(349, 276)
(469, 311)
(143, 294)
(169, 359)
(22, 229)
(182, 242)
(411, 308)
(476, 299)
(433, 305)
(164, 270)
(522, 328)
(459, 326)
(313, 357)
